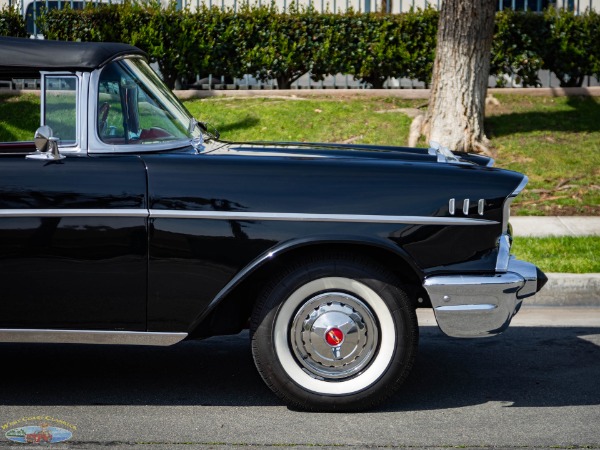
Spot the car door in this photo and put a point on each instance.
(73, 233)
(73, 243)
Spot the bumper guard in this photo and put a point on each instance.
(482, 305)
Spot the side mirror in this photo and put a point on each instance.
(46, 145)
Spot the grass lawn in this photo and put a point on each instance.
(560, 254)
(555, 141)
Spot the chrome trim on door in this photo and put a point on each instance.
(90, 337)
(303, 217)
(73, 213)
(231, 215)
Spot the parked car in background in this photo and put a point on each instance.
(125, 221)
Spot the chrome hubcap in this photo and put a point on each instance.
(334, 335)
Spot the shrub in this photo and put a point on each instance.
(567, 48)
(516, 49)
(271, 45)
(11, 22)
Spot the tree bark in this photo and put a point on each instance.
(461, 69)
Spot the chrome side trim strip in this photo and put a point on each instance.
(302, 217)
(483, 307)
(90, 337)
(73, 213)
(232, 215)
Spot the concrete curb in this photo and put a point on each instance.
(568, 289)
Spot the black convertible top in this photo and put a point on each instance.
(22, 58)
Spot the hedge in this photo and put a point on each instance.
(270, 45)
(11, 23)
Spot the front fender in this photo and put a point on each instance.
(288, 248)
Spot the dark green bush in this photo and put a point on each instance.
(271, 45)
(593, 30)
(278, 46)
(517, 47)
(11, 22)
(567, 48)
(219, 37)
(95, 23)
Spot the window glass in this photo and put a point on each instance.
(60, 111)
(134, 107)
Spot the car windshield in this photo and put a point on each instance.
(135, 107)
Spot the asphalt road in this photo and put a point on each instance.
(537, 385)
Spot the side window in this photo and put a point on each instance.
(60, 107)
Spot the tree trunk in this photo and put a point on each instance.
(461, 69)
(284, 82)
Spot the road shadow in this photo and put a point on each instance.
(524, 367)
(217, 371)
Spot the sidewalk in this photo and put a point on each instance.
(540, 226)
(562, 289)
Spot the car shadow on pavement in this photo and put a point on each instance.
(524, 367)
(217, 371)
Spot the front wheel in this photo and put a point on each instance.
(334, 334)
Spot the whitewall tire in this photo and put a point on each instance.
(334, 333)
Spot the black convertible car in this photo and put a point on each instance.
(125, 221)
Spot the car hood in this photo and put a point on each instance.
(331, 151)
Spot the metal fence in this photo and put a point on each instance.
(391, 6)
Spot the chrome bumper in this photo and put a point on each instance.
(482, 305)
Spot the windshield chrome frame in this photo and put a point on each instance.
(97, 145)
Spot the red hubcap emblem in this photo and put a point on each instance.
(334, 337)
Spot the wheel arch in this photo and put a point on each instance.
(229, 311)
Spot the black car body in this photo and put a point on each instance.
(131, 224)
